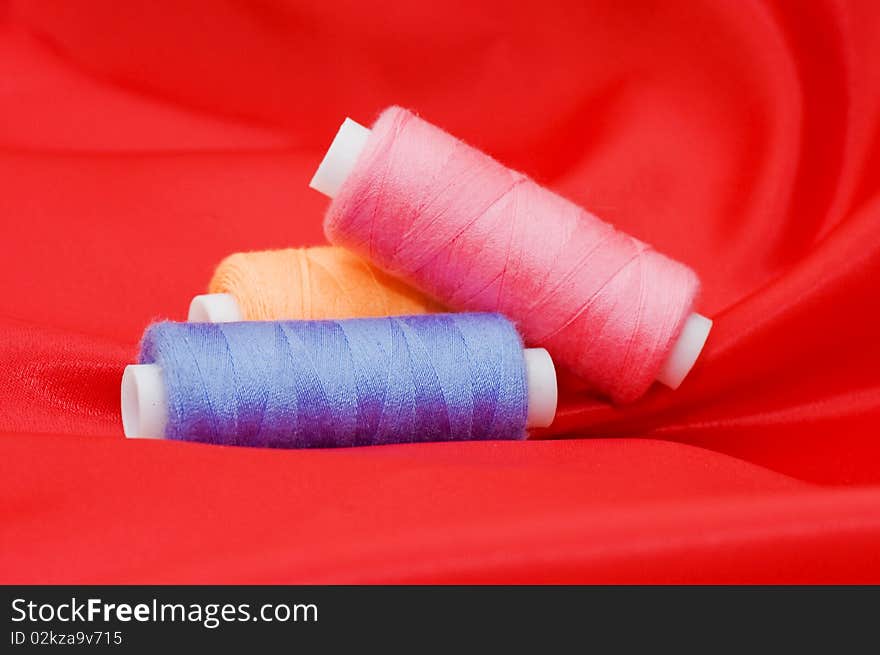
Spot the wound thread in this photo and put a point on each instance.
(478, 236)
(357, 382)
(323, 282)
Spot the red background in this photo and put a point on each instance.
(142, 141)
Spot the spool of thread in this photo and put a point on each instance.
(324, 282)
(463, 228)
(302, 384)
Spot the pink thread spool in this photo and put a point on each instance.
(478, 236)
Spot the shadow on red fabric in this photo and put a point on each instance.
(141, 142)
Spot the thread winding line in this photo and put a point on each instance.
(357, 382)
(466, 230)
(322, 282)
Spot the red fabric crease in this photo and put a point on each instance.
(140, 143)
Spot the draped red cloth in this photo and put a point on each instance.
(142, 141)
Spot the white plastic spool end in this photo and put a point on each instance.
(543, 392)
(144, 402)
(214, 308)
(340, 158)
(686, 350)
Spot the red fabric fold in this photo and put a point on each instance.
(141, 143)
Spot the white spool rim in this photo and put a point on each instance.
(341, 157)
(543, 392)
(686, 350)
(214, 308)
(144, 402)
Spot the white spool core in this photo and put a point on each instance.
(542, 390)
(339, 162)
(144, 402)
(214, 308)
(340, 158)
(685, 351)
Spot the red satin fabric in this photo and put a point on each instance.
(140, 142)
